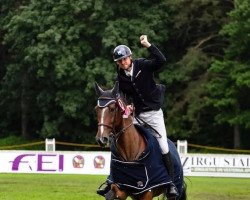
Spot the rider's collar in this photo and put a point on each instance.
(130, 73)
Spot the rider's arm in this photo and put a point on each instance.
(157, 58)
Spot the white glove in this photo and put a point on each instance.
(144, 41)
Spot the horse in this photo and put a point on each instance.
(128, 147)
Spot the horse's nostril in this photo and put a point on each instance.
(105, 140)
(102, 141)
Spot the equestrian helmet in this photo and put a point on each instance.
(120, 52)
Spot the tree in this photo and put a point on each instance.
(7, 103)
(57, 50)
(49, 44)
(53, 51)
(230, 86)
(194, 42)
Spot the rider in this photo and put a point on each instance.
(136, 81)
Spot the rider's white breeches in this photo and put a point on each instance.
(156, 120)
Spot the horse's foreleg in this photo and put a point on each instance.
(119, 194)
(146, 196)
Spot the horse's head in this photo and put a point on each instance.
(109, 110)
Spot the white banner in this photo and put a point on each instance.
(54, 162)
(222, 165)
(85, 162)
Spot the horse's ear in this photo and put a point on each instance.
(115, 90)
(98, 89)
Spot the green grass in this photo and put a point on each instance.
(201, 188)
(82, 187)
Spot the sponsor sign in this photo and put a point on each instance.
(221, 165)
(54, 162)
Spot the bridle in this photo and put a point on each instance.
(106, 102)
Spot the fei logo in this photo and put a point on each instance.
(38, 162)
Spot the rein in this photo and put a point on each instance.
(139, 120)
(118, 134)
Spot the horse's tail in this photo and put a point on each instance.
(184, 192)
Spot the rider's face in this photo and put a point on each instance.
(125, 63)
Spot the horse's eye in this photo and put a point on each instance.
(111, 109)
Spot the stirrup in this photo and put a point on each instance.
(172, 191)
(103, 190)
(110, 195)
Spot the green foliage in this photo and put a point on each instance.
(13, 141)
(49, 43)
(55, 58)
(230, 86)
(52, 52)
(194, 43)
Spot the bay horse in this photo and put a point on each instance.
(130, 151)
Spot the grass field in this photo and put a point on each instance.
(82, 187)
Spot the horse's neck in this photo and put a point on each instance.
(130, 144)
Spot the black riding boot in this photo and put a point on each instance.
(103, 189)
(172, 192)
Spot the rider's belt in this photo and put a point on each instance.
(146, 109)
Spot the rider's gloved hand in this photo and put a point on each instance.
(144, 41)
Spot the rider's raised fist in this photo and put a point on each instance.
(144, 41)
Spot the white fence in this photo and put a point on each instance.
(221, 165)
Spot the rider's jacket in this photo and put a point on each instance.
(141, 87)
